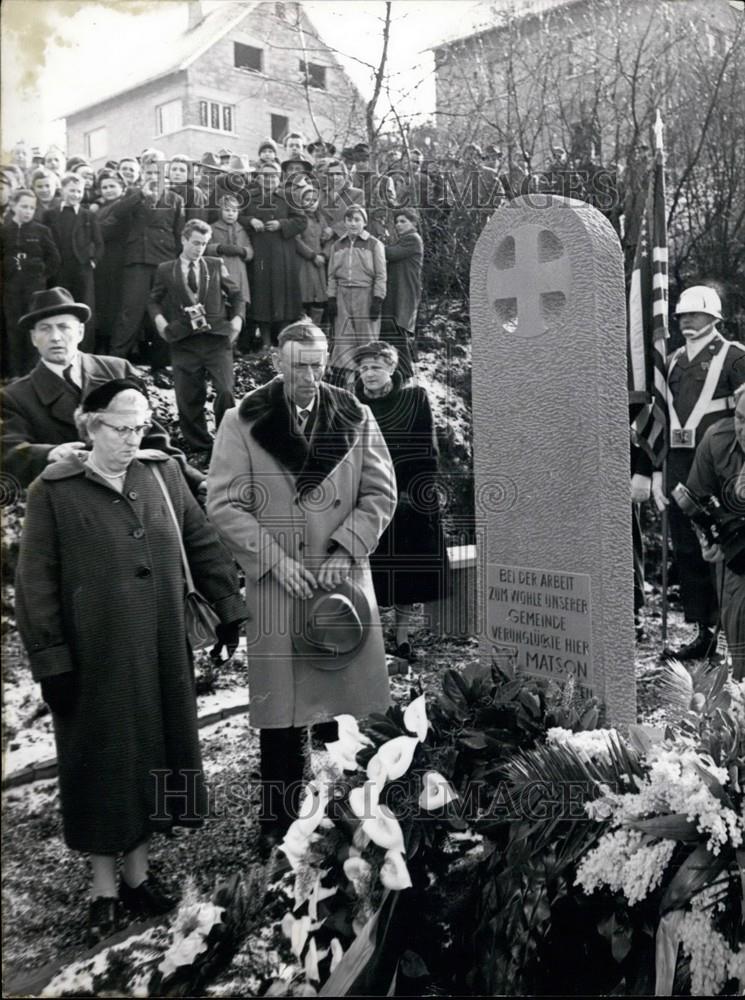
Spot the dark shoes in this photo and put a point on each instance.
(105, 917)
(147, 900)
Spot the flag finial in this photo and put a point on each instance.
(658, 129)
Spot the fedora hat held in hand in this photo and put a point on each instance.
(329, 628)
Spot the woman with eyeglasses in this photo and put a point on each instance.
(100, 609)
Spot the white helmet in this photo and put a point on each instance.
(700, 299)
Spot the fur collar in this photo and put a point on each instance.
(337, 421)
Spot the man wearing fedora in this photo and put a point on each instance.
(301, 487)
(38, 409)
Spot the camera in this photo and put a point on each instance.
(718, 526)
(197, 318)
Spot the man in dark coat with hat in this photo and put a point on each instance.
(38, 410)
(154, 218)
(301, 487)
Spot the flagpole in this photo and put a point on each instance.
(665, 556)
(659, 151)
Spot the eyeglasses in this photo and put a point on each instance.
(124, 431)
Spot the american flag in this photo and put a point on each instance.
(647, 318)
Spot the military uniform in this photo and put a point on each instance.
(719, 471)
(700, 395)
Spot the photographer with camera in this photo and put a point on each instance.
(198, 309)
(714, 499)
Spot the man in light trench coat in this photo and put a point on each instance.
(301, 487)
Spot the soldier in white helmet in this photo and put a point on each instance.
(702, 377)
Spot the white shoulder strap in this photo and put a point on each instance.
(706, 398)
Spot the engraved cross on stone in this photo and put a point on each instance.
(528, 281)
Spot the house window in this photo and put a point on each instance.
(280, 126)
(315, 74)
(216, 116)
(96, 143)
(247, 57)
(168, 117)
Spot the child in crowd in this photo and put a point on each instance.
(77, 234)
(44, 184)
(311, 259)
(129, 168)
(83, 169)
(231, 242)
(181, 179)
(268, 152)
(30, 260)
(8, 184)
(356, 289)
(54, 160)
(294, 146)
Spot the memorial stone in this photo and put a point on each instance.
(551, 447)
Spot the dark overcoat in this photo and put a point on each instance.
(270, 492)
(404, 286)
(153, 228)
(85, 234)
(274, 274)
(38, 413)
(100, 593)
(410, 563)
(109, 270)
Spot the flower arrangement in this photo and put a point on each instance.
(349, 850)
(655, 870)
(172, 958)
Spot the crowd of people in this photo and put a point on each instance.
(281, 224)
(275, 221)
(319, 506)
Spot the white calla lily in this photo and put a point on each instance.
(393, 872)
(312, 808)
(348, 728)
(397, 755)
(360, 839)
(318, 894)
(363, 801)
(299, 934)
(311, 962)
(357, 870)
(376, 770)
(337, 953)
(415, 718)
(356, 867)
(295, 844)
(384, 830)
(343, 755)
(436, 792)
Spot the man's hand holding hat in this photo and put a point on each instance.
(334, 570)
(294, 577)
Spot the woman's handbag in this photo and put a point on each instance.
(200, 620)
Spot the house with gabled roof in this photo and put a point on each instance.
(238, 73)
